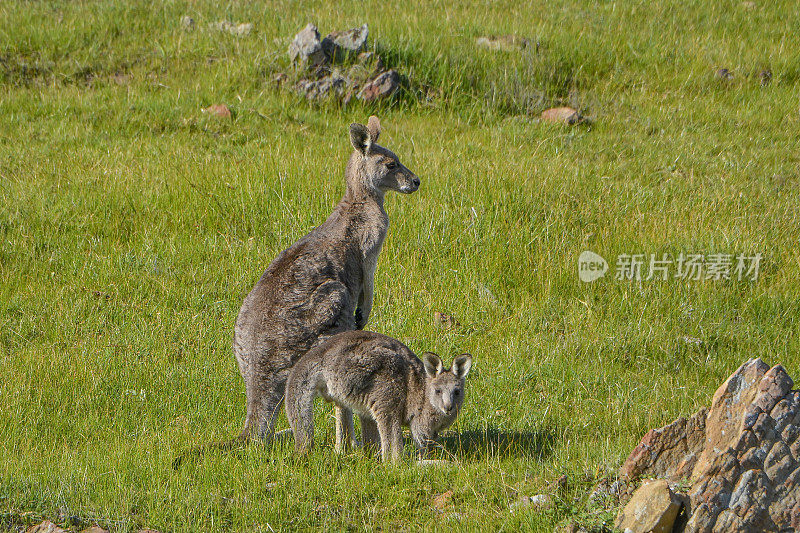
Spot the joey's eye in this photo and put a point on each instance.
(456, 392)
(391, 165)
(438, 391)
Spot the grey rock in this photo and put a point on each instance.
(332, 85)
(507, 43)
(306, 47)
(187, 22)
(342, 45)
(381, 87)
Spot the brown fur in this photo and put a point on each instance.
(384, 383)
(321, 285)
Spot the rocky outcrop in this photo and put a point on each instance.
(339, 66)
(740, 458)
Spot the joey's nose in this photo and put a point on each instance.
(415, 181)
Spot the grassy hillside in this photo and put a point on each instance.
(132, 225)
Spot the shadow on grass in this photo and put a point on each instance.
(481, 443)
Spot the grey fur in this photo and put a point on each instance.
(321, 285)
(384, 383)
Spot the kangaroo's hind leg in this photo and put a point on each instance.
(345, 433)
(370, 435)
(300, 394)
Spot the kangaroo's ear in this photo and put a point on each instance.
(374, 128)
(433, 364)
(360, 137)
(462, 365)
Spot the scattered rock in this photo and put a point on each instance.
(187, 23)
(443, 501)
(559, 115)
(724, 74)
(381, 87)
(765, 76)
(46, 527)
(334, 83)
(749, 5)
(503, 42)
(306, 46)
(445, 321)
(741, 456)
(358, 73)
(653, 508)
(234, 29)
(539, 501)
(218, 110)
(341, 45)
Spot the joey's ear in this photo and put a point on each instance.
(359, 136)
(433, 364)
(374, 128)
(462, 365)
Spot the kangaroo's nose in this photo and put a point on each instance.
(415, 181)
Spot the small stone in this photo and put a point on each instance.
(443, 501)
(218, 110)
(749, 5)
(724, 74)
(95, 529)
(242, 29)
(381, 87)
(445, 321)
(306, 47)
(539, 501)
(508, 43)
(46, 527)
(341, 45)
(561, 115)
(187, 23)
(653, 508)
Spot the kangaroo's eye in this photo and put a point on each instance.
(456, 392)
(438, 391)
(391, 165)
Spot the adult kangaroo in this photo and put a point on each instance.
(321, 285)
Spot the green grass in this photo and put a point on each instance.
(132, 225)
